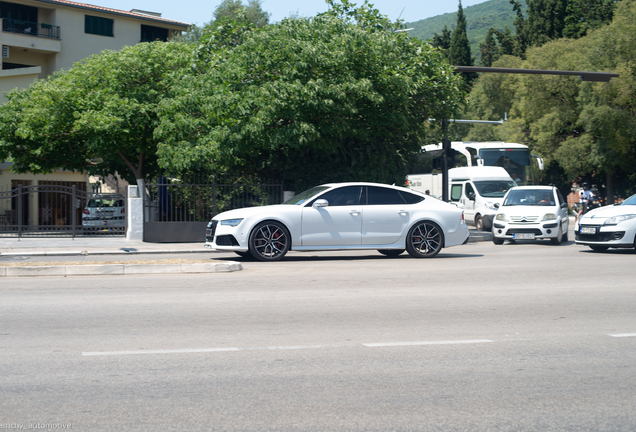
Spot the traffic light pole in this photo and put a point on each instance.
(445, 158)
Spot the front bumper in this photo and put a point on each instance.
(608, 236)
(543, 230)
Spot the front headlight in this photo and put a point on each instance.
(501, 217)
(231, 222)
(618, 219)
(491, 205)
(549, 216)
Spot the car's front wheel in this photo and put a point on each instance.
(392, 253)
(269, 241)
(479, 223)
(497, 241)
(425, 240)
(559, 237)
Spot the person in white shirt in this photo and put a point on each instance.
(585, 197)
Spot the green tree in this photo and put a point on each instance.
(585, 15)
(99, 116)
(443, 41)
(489, 49)
(459, 52)
(230, 9)
(337, 97)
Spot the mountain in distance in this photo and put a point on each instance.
(479, 18)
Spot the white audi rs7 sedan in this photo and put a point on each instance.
(341, 216)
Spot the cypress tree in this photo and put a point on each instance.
(460, 47)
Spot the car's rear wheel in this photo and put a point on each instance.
(497, 241)
(559, 237)
(425, 240)
(599, 248)
(269, 241)
(391, 252)
(479, 223)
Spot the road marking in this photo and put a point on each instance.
(623, 335)
(179, 351)
(206, 350)
(446, 342)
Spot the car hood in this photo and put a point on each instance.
(602, 213)
(525, 210)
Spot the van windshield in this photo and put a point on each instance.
(494, 189)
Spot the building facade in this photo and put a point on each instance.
(40, 37)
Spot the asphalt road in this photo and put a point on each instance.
(529, 337)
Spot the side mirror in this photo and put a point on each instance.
(320, 203)
(564, 205)
(471, 196)
(496, 205)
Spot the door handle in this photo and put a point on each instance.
(354, 212)
(403, 213)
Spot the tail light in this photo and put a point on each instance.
(462, 215)
(86, 211)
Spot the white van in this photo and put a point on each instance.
(479, 191)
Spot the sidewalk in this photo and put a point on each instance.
(56, 246)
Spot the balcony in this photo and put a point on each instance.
(30, 29)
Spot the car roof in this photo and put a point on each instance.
(533, 188)
(401, 188)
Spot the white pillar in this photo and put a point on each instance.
(135, 214)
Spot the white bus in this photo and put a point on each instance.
(514, 158)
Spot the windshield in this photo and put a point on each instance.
(530, 197)
(493, 189)
(629, 201)
(304, 196)
(105, 202)
(515, 161)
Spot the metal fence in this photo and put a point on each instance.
(31, 28)
(53, 208)
(175, 211)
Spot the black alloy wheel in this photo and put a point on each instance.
(269, 241)
(425, 240)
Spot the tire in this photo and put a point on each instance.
(392, 253)
(599, 248)
(497, 241)
(269, 241)
(559, 237)
(565, 236)
(425, 240)
(479, 223)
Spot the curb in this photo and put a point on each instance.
(119, 269)
(98, 252)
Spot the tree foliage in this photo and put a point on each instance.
(587, 128)
(98, 116)
(337, 97)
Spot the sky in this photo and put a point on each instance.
(200, 11)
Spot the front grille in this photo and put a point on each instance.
(211, 229)
(524, 219)
(534, 231)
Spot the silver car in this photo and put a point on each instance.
(104, 211)
(531, 213)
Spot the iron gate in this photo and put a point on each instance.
(59, 209)
(179, 213)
